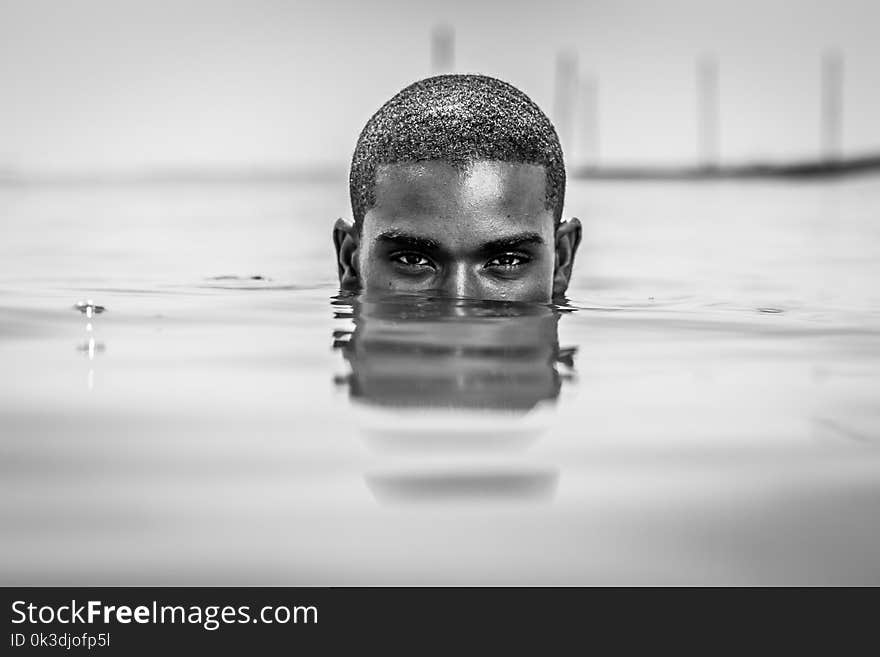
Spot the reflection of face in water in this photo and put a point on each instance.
(449, 381)
(446, 353)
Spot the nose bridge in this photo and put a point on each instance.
(461, 281)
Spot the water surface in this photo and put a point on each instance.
(703, 411)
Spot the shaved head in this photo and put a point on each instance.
(458, 120)
(457, 188)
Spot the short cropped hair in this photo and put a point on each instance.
(457, 119)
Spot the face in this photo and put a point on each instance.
(479, 233)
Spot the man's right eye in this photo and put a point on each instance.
(411, 260)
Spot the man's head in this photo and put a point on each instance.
(457, 187)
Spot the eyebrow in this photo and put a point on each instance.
(399, 238)
(507, 243)
(511, 242)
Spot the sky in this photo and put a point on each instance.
(115, 85)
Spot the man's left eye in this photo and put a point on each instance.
(508, 261)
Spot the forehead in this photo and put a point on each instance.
(436, 197)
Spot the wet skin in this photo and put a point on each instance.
(484, 232)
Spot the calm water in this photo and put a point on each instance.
(705, 411)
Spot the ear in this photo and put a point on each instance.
(346, 240)
(568, 238)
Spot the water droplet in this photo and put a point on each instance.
(88, 308)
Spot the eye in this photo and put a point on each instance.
(409, 260)
(508, 261)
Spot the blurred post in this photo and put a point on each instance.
(565, 95)
(708, 111)
(590, 119)
(832, 105)
(442, 49)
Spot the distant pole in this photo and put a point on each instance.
(708, 111)
(565, 95)
(832, 105)
(442, 49)
(590, 119)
